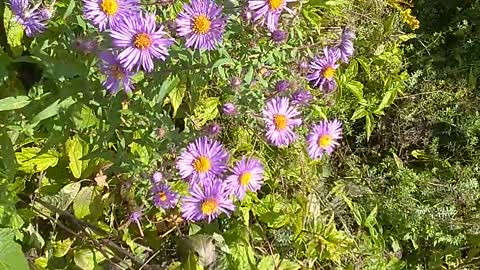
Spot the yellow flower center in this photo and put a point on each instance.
(109, 7)
(280, 122)
(162, 196)
(275, 4)
(245, 178)
(209, 206)
(142, 41)
(329, 72)
(325, 141)
(202, 164)
(201, 24)
(117, 72)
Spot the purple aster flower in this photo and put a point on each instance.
(282, 86)
(163, 196)
(46, 13)
(346, 45)
(141, 42)
(247, 175)
(203, 160)
(279, 36)
(135, 216)
(109, 13)
(324, 137)
(247, 15)
(323, 70)
(202, 24)
(207, 203)
(116, 74)
(301, 97)
(85, 45)
(213, 129)
(280, 119)
(29, 17)
(303, 66)
(269, 10)
(229, 109)
(157, 177)
(235, 82)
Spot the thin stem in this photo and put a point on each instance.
(3, 33)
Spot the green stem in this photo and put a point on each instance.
(3, 33)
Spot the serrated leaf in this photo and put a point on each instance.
(14, 103)
(82, 202)
(11, 255)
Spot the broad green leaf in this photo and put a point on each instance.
(87, 259)
(176, 97)
(352, 70)
(13, 103)
(141, 151)
(14, 32)
(360, 112)
(221, 62)
(11, 255)
(61, 200)
(206, 110)
(356, 88)
(268, 262)
(249, 76)
(51, 110)
(7, 158)
(61, 248)
(82, 202)
(167, 86)
(31, 161)
(76, 148)
(388, 99)
(83, 117)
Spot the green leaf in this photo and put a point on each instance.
(268, 262)
(86, 259)
(206, 110)
(167, 86)
(352, 70)
(388, 99)
(82, 202)
(76, 149)
(249, 76)
(69, 10)
(141, 151)
(7, 158)
(61, 248)
(176, 97)
(31, 161)
(14, 103)
(221, 62)
(61, 200)
(360, 112)
(83, 117)
(388, 24)
(51, 110)
(356, 88)
(11, 255)
(4, 62)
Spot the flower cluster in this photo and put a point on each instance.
(204, 164)
(323, 68)
(32, 17)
